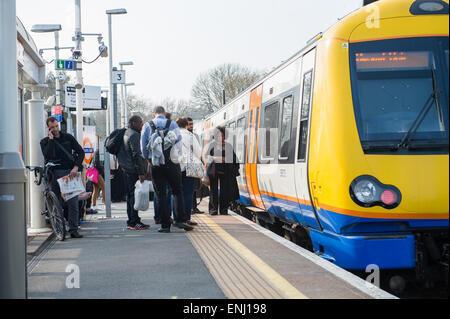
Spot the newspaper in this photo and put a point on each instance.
(71, 187)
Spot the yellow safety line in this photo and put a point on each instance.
(275, 278)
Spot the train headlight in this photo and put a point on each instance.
(367, 191)
(421, 7)
(431, 6)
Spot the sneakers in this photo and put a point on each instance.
(76, 235)
(184, 226)
(138, 226)
(164, 230)
(191, 223)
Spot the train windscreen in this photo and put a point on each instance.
(400, 94)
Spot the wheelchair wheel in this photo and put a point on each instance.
(55, 214)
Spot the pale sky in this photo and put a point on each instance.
(172, 41)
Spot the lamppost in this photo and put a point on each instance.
(111, 125)
(55, 28)
(126, 105)
(124, 108)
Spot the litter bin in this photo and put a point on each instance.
(12, 227)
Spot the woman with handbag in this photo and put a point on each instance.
(222, 168)
(191, 165)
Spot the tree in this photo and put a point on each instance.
(207, 92)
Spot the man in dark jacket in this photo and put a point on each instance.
(133, 165)
(63, 149)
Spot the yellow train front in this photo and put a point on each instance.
(378, 161)
(362, 119)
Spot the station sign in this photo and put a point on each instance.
(68, 65)
(118, 77)
(89, 143)
(92, 97)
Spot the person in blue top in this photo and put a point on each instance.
(160, 143)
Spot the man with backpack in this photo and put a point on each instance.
(159, 142)
(132, 164)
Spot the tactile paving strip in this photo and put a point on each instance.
(234, 273)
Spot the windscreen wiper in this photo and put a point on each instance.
(434, 98)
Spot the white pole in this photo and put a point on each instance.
(58, 84)
(110, 126)
(36, 132)
(9, 137)
(12, 171)
(126, 105)
(123, 104)
(111, 90)
(79, 84)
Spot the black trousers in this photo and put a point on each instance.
(194, 198)
(130, 182)
(217, 204)
(72, 204)
(170, 173)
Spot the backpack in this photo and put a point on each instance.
(114, 142)
(163, 134)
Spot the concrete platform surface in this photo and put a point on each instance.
(225, 257)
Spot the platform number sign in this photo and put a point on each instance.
(119, 77)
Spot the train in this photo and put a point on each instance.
(344, 147)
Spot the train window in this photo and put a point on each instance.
(232, 134)
(250, 128)
(256, 137)
(304, 120)
(240, 142)
(270, 127)
(399, 92)
(286, 126)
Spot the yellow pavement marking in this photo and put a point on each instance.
(274, 277)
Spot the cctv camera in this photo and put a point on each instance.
(51, 100)
(76, 54)
(103, 51)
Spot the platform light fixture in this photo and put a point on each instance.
(44, 28)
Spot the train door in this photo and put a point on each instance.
(304, 120)
(251, 165)
(241, 153)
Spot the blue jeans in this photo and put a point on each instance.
(188, 194)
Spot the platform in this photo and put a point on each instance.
(225, 257)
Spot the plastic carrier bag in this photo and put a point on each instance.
(142, 195)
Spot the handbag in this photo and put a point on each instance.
(92, 175)
(194, 167)
(205, 180)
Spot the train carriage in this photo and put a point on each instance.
(345, 145)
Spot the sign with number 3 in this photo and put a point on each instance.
(119, 77)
